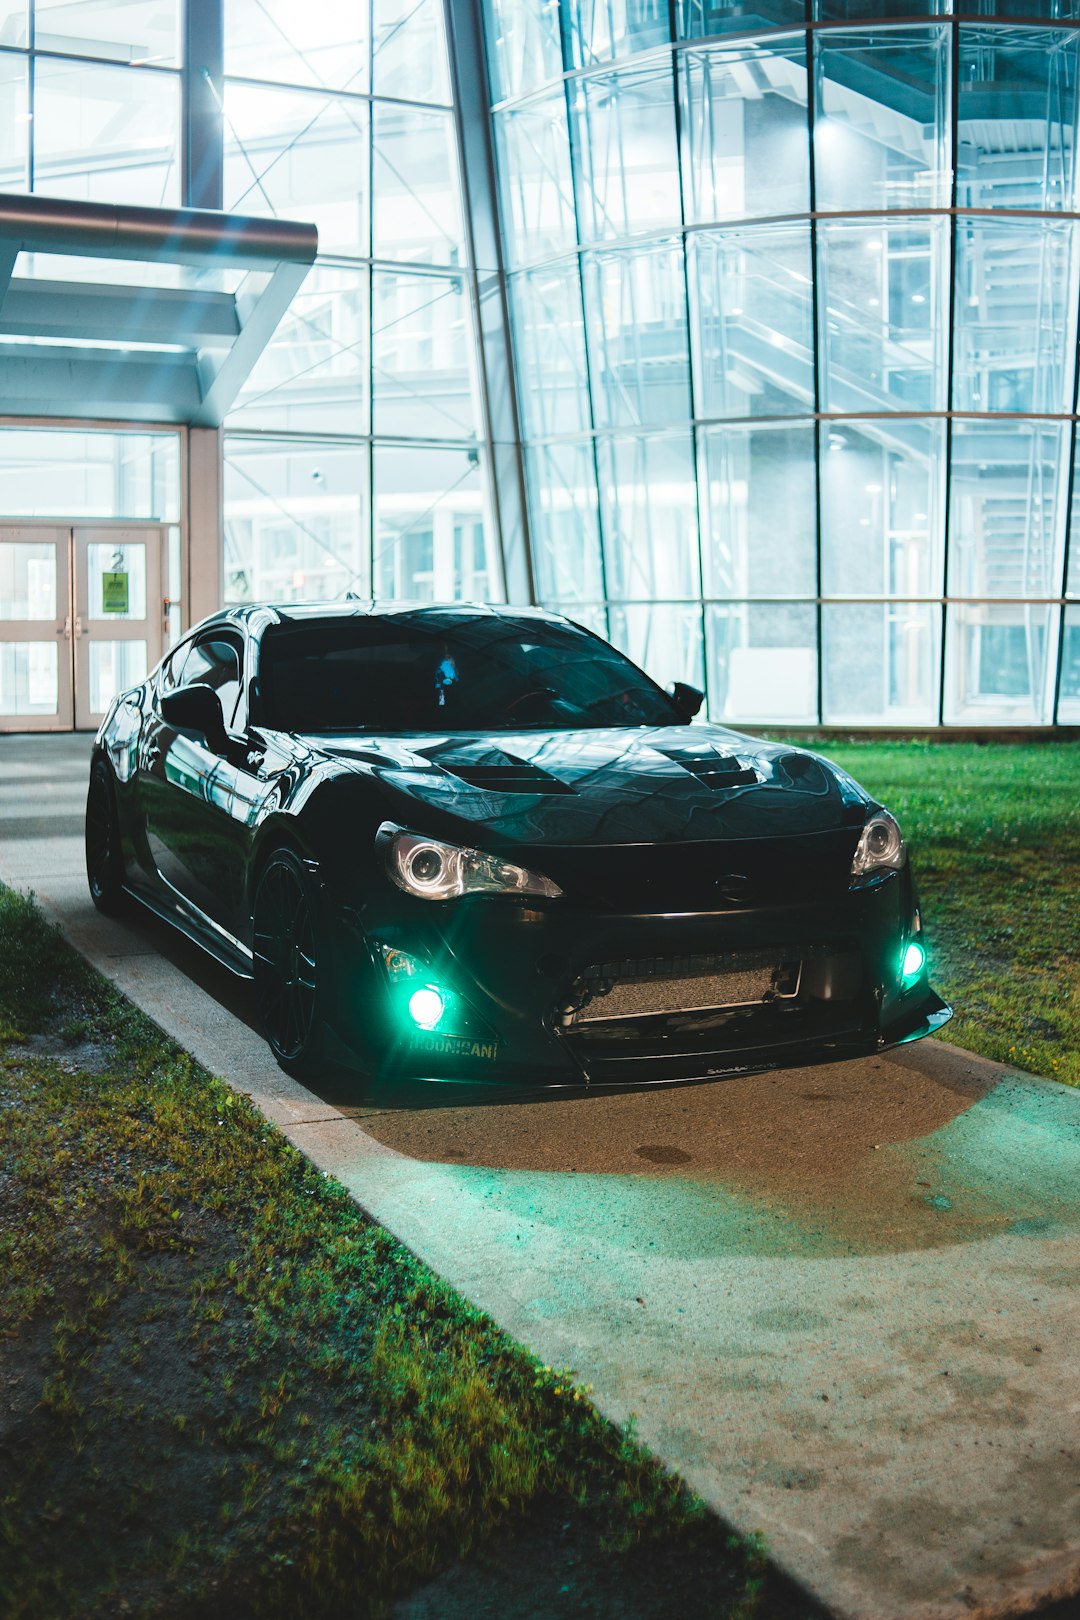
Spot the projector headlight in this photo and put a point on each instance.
(881, 848)
(432, 870)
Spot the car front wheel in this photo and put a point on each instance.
(285, 947)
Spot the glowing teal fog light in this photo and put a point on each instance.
(426, 1006)
(913, 963)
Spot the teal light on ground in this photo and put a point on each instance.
(426, 1007)
(914, 961)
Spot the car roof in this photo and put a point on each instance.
(301, 612)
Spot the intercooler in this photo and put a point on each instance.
(643, 988)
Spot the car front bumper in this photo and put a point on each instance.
(555, 994)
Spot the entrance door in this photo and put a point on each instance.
(119, 613)
(36, 628)
(81, 617)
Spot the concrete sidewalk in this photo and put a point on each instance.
(842, 1301)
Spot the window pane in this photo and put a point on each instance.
(858, 10)
(1069, 701)
(760, 511)
(549, 336)
(882, 508)
(882, 663)
(745, 133)
(14, 124)
(29, 677)
(1017, 117)
(635, 304)
(762, 662)
(103, 557)
(312, 376)
(1015, 315)
(57, 472)
(1072, 579)
(123, 30)
(15, 23)
(422, 357)
(1000, 664)
(663, 638)
(648, 509)
(534, 172)
(753, 320)
(881, 125)
(417, 209)
(114, 665)
(409, 55)
(1006, 510)
(699, 19)
(564, 523)
(296, 520)
(626, 144)
(432, 537)
(287, 42)
(524, 48)
(295, 154)
(27, 580)
(883, 298)
(106, 134)
(601, 29)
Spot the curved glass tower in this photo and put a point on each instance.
(794, 307)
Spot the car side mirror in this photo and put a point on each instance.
(687, 699)
(197, 708)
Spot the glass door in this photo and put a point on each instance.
(36, 628)
(119, 626)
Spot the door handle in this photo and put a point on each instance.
(65, 628)
(80, 628)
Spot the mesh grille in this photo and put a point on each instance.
(636, 996)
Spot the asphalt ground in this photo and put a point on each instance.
(842, 1301)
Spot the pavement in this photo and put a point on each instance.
(842, 1301)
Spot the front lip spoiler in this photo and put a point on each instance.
(934, 1015)
(624, 1074)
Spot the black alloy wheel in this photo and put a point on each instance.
(104, 859)
(285, 947)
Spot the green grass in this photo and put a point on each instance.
(225, 1391)
(994, 832)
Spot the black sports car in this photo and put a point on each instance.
(475, 843)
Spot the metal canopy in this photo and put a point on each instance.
(140, 314)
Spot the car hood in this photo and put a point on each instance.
(616, 786)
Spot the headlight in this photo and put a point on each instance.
(881, 848)
(435, 871)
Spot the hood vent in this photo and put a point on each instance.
(714, 770)
(506, 775)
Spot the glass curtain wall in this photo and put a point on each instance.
(794, 300)
(355, 457)
(90, 100)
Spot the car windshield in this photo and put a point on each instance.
(449, 672)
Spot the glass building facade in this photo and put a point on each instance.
(794, 309)
(745, 335)
(355, 458)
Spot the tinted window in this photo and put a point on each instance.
(449, 672)
(172, 670)
(215, 661)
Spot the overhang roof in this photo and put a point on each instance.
(140, 314)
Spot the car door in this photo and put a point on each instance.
(189, 792)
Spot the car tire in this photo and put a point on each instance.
(104, 858)
(286, 963)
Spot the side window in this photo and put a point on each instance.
(172, 670)
(215, 661)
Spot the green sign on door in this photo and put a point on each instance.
(114, 593)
